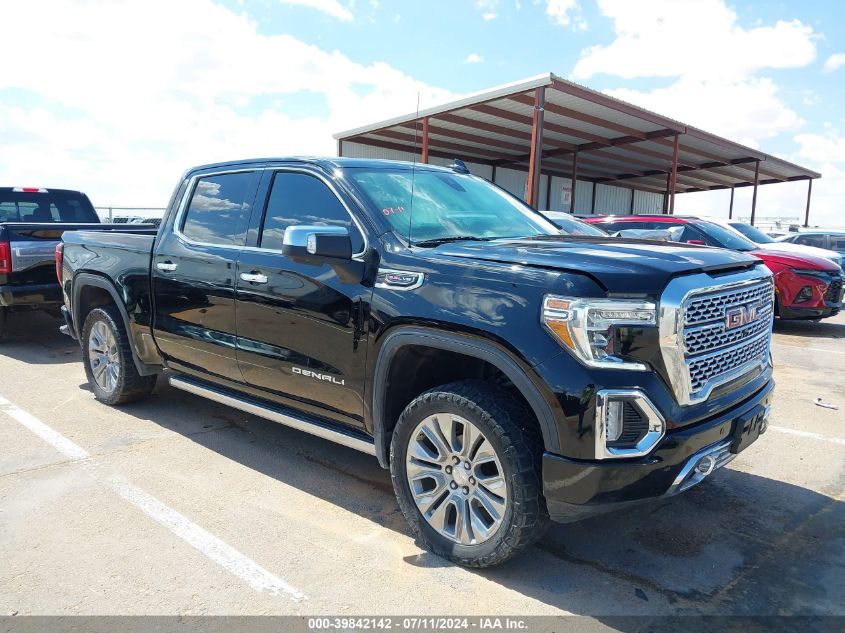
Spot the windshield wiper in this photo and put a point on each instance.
(456, 238)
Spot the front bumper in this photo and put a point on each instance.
(47, 295)
(796, 313)
(576, 489)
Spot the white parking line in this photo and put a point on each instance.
(812, 349)
(807, 434)
(54, 439)
(203, 541)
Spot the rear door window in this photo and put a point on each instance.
(219, 209)
(811, 240)
(837, 243)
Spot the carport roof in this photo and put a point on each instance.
(616, 143)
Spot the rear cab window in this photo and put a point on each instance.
(44, 205)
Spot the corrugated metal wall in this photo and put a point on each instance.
(609, 199)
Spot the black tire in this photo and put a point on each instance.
(511, 431)
(130, 385)
(3, 315)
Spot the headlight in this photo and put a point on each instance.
(587, 326)
(811, 273)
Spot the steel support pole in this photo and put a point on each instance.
(425, 140)
(809, 194)
(731, 207)
(340, 147)
(754, 196)
(674, 175)
(633, 194)
(574, 180)
(548, 191)
(593, 199)
(493, 175)
(536, 159)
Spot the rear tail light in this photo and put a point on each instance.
(5, 257)
(60, 251)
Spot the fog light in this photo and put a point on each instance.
(805, 295)
(706, 465)
(627, 424)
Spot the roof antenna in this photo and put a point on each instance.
(413, 170)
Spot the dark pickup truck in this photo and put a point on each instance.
(32, 220)
(504, 372)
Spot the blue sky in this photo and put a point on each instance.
(126, 88)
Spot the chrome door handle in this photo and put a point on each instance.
(167, 267)
(254, 278)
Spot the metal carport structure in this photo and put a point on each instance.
(548, 128)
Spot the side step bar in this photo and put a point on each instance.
(349, 439)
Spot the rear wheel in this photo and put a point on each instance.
(465, 466)
(3, 312)
(108, 359)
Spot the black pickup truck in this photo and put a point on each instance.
(32, 220)
(504, 372)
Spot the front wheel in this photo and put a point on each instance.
(465, 466)
(108, 359)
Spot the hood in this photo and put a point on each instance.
(801, 249)
(795, 260)
(622, 266)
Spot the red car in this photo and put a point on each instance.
(806, 287)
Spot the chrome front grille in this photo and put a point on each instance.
(705, 368)
(712, 336)
(712, 307)
(715, 330)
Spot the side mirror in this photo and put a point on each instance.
(317, 242)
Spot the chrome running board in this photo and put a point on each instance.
(348, 439)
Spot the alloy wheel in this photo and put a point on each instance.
(103, 356)
(456, 479)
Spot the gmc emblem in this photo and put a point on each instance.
(736, 317)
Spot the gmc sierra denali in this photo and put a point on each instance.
(504, 372)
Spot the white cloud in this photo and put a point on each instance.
(694, 38)
(473, 58)
(745, 111)
(121, 116)
(565, 13)
(329, 7)
(834, 62)
(716, 69)
(820, 147)
(489, 9)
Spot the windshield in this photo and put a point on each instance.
(752, 233)
(573, 226)
(46, 206)
(726, 238)
(446, 205)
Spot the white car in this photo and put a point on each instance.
(770, 244)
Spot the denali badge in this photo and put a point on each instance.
(317, 376)
(743, 315)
